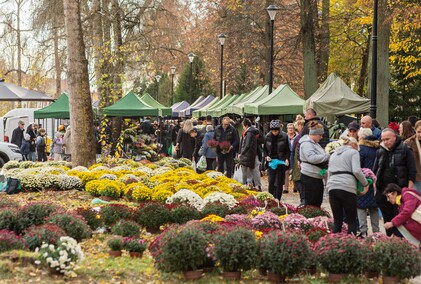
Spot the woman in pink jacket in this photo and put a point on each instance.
(408, 200)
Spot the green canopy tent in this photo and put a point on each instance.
(217, 112)
(58, 109)
(208, 110)
(257, 94)
(130, 105)
(155, 104)
(200, 112)
(283, 100)
(334, 97)
(240, 98)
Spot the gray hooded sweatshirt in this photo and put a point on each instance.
(311, 154)
(345, 159)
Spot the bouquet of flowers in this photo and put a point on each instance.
(370, 176)
(213, 144)
(225, 146)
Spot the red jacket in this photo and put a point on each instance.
(408, 205)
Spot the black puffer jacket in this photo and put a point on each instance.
(230, 135)
(400, 160)
(306, 130)
(283, 146)
(248, 149)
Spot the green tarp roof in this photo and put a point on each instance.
(155, 104)
(57, 109)
(208, 111)
(283, 100)
(217, 111)
(256, 95)
(130, 105)
(200, 112)
(240, 98)
(336, 98)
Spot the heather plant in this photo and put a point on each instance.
(284, 253)
(34, 214)
(236, 249)
(36, 235)
(8, 219)
(74, 226)
(215, 208)
(111, 213)
(9, 241)
(152, 215)
(92, 217)
(184, 213)
(126, 228)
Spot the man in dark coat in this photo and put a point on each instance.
(395, 163)
(310, 115)
(248, 150)
(17, 135)
(228, 134)
(32, 151)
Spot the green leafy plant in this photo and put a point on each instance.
(152, 215)
(115, 243)
(9, 241)
(397, 257)
(312, 211)
(284, 253)
(36, 235)
(92, 218)
(9, 219)
(74, 226)
(215, 208)
(111, 213)
(126, 228)
(184, 213)
(236, 249)
(34, 214)
(135, 245)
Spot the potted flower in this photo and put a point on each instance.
(212, 144)
(135, 246)
(116, 245)
(224, 146)
(181, 249)
(284, 254)
(236, 250)
(397, 260)
(152, 215)
(340, 255)
(266, 220)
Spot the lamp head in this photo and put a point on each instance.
(173, 68)
(158, 77)
(191, 56)
(272, 11)
(222, 39)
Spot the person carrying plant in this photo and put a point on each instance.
(227, 136)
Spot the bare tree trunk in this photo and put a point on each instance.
(57, 63)
(308, 10)
(97, 44)
(81, 115)
(364, 67)
(324, 42)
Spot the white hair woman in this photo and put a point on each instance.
(185, 143)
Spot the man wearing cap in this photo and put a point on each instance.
(353, 128)
(17, 135)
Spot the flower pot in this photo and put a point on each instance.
(193, 275)
(275, 277)
(336, 277)
(114, 253)
(232, 275)
(135, 254)
(391, 279)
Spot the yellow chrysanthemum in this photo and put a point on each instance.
(258, 234)
(212, 218)
(282, 217)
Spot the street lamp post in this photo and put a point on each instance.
(373, 101)
(157, 78)
(221, 87)
(173, 68)
(272, 13)
(191, 58)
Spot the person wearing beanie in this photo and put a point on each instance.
(313, 160)
(25, 147)
(276, 147)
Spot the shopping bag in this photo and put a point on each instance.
(201, 164)
(238, 174)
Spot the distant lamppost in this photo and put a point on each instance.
(191, 58)
(221, 87)
(373, 101)
(173, 68)
(272, 13)
(157, 78)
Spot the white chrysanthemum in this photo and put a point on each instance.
(221, 197)
(186, 196)
(69, 182)
(81, 169)
(121, 168)
(108, 176)
(214, 174)
(100, 168)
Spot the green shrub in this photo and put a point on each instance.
(92, 218)
(312, 211)
(152, 215)
(74, 226)
(215, 208)
(126, 228)
(36, 235)
(182, 214)
(4, 203)
(9, 241)
(8, 219)
(115, 243)
(112, 213)
(34, 214)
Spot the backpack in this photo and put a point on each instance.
(13, 186)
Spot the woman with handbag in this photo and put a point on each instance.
(408, 222)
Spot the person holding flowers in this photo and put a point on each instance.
(367, 203)
(344, 171)
(228, 139)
